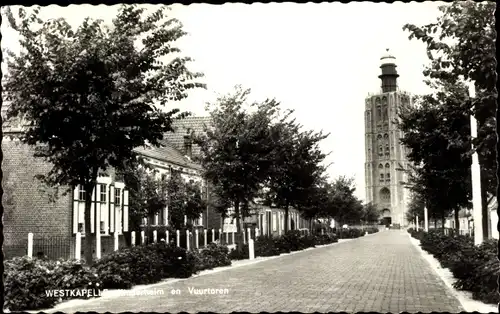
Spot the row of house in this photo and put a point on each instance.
(31, 207)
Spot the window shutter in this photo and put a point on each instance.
(111, 208)
(75, 209)
(125, 210)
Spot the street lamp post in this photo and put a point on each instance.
(476, 178)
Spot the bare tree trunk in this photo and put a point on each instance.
(239, 227)
(484, 206)
(89, 189)
(457, 221)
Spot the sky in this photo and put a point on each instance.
(320, 60)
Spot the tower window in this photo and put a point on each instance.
(380, 166)
(388, 177)
(379, 113)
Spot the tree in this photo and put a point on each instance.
(184, 200)
(344, 206)
(437, 134)
(461, 46)
(92, 95)
(236, 151)
(296, 164)
(147, 194)
(370, 213)
(415, 208)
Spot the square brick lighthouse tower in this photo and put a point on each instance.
(385, 155)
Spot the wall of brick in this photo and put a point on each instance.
(27, 203)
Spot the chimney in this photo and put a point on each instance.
(188, 146)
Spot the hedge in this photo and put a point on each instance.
(475, 268)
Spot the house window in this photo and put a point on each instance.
(81, 193)
(118, 197)
(103, 193)
(80, 227)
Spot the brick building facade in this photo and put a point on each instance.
(53, 216)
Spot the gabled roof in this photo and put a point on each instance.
(168, 154)
(184, 127)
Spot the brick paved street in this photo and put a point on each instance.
(381, 273)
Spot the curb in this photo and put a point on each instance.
(464, 297)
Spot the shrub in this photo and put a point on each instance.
(27, 280)
(214, 255)
(267, 246)
(350, 233)
(239, 254)
(326, 238)
(370, 230)
(144, 265)
(475, 268)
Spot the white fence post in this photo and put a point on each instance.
(187, 240)
(30, 245)
(251, 251)
(167, 238)
(115, 235)
(155, 236)
(178, 238)
(205, 237)
(232, 236)
(249, 233)
(220, 235)
(244, 236)
(197, 238)
(132, 238)
(257, 232)
(213, 235)
(78, 246)
(142, 237)
(227, 238)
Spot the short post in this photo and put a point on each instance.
(213, 235)
(220, 235)
(178, 238)
(322, 231)
(197, 238)
(78, 246)
(232, 237)
(97, 243)
(366, 233)
(426, 220)
(251, 251)
(187, 240)
(132, 238)
(155, 235)
(142, 237)
(115, 236)
(227, 238)
(167, 238)
(205, 237)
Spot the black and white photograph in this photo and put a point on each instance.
(249, 157)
